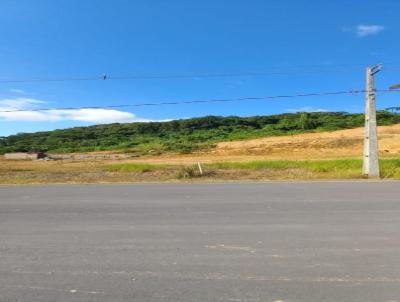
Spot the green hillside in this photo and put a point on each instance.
(182, 135)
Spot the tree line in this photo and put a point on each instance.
(184, 135)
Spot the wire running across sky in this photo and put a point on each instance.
(183, 102)
(272, 72)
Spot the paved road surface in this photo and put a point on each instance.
(220, 242)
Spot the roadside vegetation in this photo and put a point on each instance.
(134, 167)
(182, 136)
(30, 172)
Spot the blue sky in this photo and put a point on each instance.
(75, 38)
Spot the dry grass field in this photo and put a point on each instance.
(326, 155)
(309, 146)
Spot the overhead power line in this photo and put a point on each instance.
(200, 101)
(148, 77)
(106, 77)
(63, 79)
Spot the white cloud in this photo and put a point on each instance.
(95, 116)
(17, 90)
(19, 103)
(368, 30)
(364, 30)
(307, 109)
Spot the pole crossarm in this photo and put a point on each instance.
(376, 69)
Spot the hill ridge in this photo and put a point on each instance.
(185, 135)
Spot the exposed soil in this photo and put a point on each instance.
(324, 145)
(310, 146)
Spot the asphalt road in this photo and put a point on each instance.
(328, 241)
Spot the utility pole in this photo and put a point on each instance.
(371, 150)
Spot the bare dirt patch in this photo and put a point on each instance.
(309, 146)
(344, 144)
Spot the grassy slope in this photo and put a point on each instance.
(183, 136)
(224, 163)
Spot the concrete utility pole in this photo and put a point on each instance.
(371, 150)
